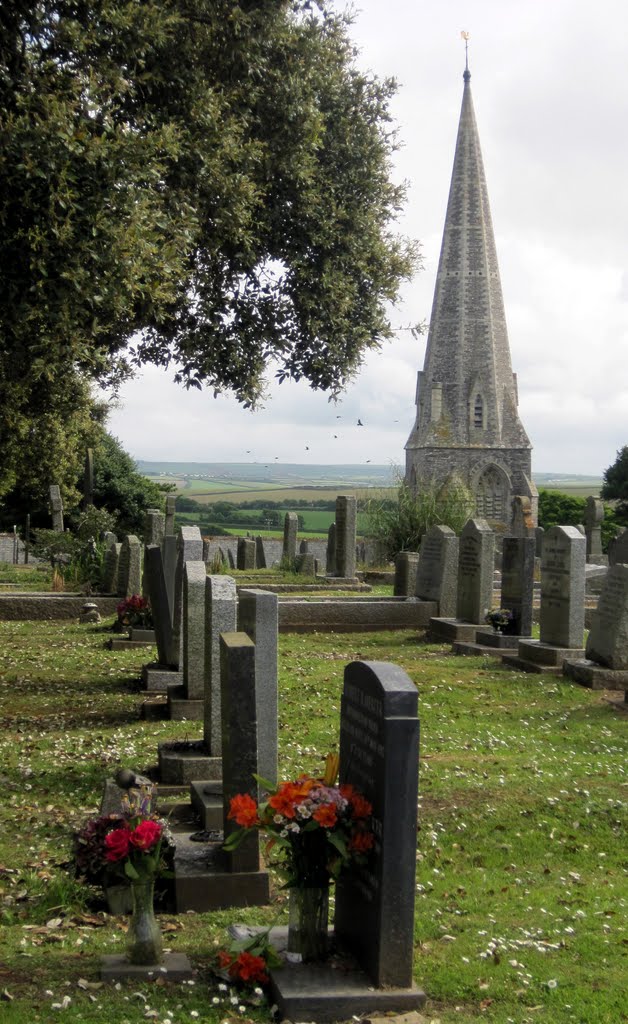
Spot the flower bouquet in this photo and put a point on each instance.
(134, 611)
(501, 619)
(131, 846)
(317, 829)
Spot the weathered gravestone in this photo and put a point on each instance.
(167, 654)
(406, 565)
(110, 573)
(437, 574)
(605, 665)
(130, 566)
(330, 554)
(221, 608)
(56, 505)
(374, 918)
(517, 594)
(290, 527)
(260, 554)
(170, 555)
(476, 559)
(562, 604)
(170, 510)
(346, 520)
(618, 549)
(258, 617)
(246, 553)
(522, 517)
(230, 559)
(206, 877)
(189, 549)
(593, 519)
(154, 526)
(185, 701)
(305, 564)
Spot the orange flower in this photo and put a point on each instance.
(361, 842)
(326, 815)
(243, 810)
(360, 807)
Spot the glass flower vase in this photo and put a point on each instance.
(143, 942)
(308, 921)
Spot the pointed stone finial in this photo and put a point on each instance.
(467, 73)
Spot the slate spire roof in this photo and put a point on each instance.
(467, 393)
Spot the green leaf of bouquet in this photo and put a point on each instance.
(265, 783)
(130, 871)
(339, 843)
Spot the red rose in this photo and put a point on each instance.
(146, 835)
(117, 844)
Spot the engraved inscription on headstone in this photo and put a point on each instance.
(562, 587)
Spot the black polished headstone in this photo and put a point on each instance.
(379, 755)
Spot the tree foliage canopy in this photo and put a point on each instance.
(209, 178)
(615, 484)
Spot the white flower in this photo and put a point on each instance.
(552, 983)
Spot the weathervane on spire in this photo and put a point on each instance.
(467, 73)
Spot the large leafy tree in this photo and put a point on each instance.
(202, 182)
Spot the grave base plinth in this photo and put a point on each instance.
(534, 656)
(589, 673)
(333, 990)
(449, 631)
(494, 644)
(181, 764)
(203, 882)
(175, 967)
(128, 645)
(207, 801)
(181, 708)
(157, 678)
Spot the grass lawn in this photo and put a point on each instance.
(521, 897)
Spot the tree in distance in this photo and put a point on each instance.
(615, 486)
(196, 183)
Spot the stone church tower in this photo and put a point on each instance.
(467, 424)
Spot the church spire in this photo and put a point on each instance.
(466, 396)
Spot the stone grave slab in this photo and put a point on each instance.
(175, 967)
(437, 573)
(605, 665)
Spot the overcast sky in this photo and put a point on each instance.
(550, 92)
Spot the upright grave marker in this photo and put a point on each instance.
(189, 549)
(246, 553)
(194, 579)
(517, 593)
(406, 565)
(476, 561)
(562, 605)
(258, 617)
(239, 739)
(437, 574)
(605, 665)
(379, 755)
(260, 554)
(290, 527)
(162, 613)
(221, 602)
(170, 510)
(112, 562)
(593, 519)
(130, 566)
(562, 587)
(330, 553)
(56, 505)
(346, 520)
